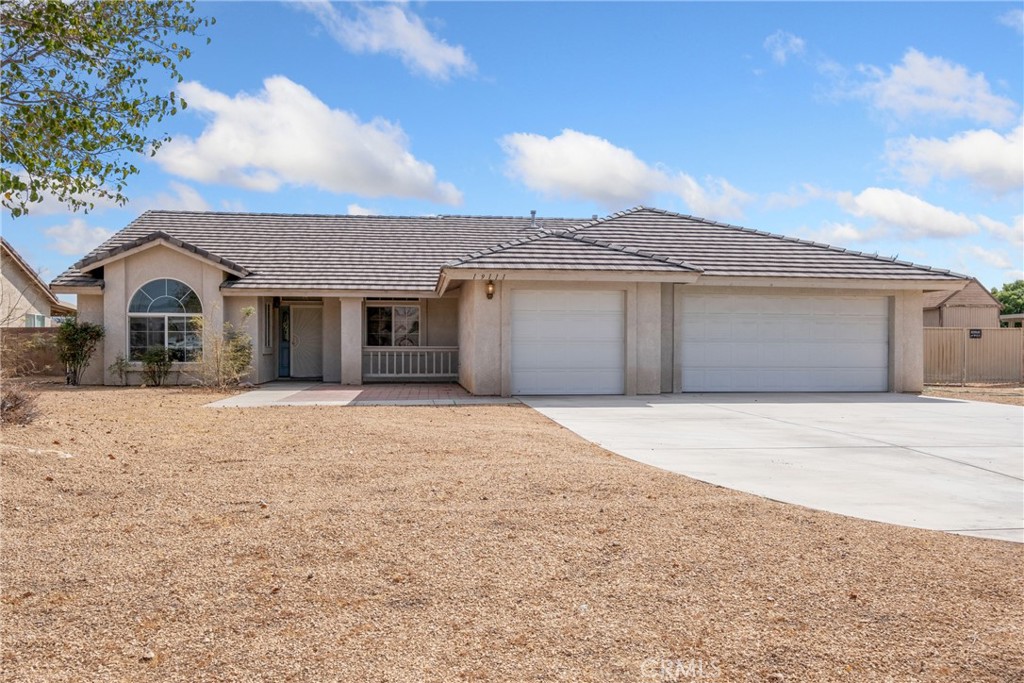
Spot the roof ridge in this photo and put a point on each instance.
(671, 260)
(180, 212)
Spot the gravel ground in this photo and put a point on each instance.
(1010, 394)
(148, 539)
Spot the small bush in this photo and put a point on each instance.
(76, 342)
(227, 357)
(119, 368)
(156, 365)
(17, 405)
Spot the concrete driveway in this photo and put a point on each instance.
(931, 463)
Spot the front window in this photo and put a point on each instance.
(35, 320)
(165, 314)
(392, 325)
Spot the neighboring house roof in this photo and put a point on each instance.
(283, 251)
(973, 294)
(10, 255)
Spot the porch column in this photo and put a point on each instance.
(351, 340)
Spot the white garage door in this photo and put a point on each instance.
(735, 342)
(568, 342)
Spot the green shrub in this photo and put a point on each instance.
(76, 342)
(156, 365)
(120, 368)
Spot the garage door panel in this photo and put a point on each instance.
(568, 342)
(737, 342)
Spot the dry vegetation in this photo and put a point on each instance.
(147, 538)
(1010, 394)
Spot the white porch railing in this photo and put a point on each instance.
(410, 363)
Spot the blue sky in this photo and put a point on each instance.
(882, 127)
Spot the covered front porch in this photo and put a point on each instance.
(350, 340)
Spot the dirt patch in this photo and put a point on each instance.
(148, 539)
(1010, 394)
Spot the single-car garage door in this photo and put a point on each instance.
(568, 342)
(737, 342)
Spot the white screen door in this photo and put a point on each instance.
(307, 342)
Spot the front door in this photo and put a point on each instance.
(306, 342)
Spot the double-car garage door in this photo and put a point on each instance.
(574, 342)
(736, 342)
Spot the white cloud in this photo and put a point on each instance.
(782, 45)
(932, 85)
(794, 197)
(987, 158)
(77, 238)
(1014, 234)
(1013, 18)
(182, 197)
(357, 210)
(392, 29)
(579, 165)
(52, 206)
(285, 135)
(233, 205)
(996, 259)
(840, 234)
(911, 216)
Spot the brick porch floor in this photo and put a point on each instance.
(306, 394)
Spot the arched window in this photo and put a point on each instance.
(165, 314)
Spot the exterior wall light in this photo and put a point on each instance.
(490, 289)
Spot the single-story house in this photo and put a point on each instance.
(25, 300)
(972, 306)
(643, 301)
(1012, 320)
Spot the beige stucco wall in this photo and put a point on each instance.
(90, 310)
(906, 342)
(20, 295)
(442, 321)
(480, 357)
(485, 333)
(351, 340)
(332, 339)
(122, 278)
(234, 314)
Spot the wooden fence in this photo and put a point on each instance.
(957, 355)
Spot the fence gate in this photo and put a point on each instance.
(956, 355)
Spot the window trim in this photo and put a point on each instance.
(129, 314)
(392, 304)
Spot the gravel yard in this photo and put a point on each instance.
(145, 538)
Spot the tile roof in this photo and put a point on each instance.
(160, 235)
(723, 249)
(9, 254)
(287, 251)
(558, 250)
